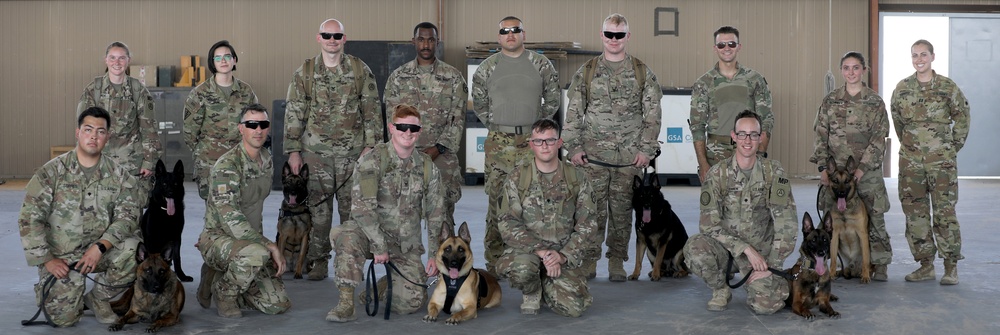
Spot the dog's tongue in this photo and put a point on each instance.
(820, 265)
(646, 215)
(170, 206)
(291, 199)
(453, 273)
(841, 204)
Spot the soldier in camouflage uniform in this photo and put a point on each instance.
(134, 142)
(395, 187)
(852, 121)
(248, 265)
(510, 90)
(548, 227)
(722, 93)
(212, 112)
(439, 91)
(78, 208)
(609, 102)
(333, 116)
(931, 118)
(747, 213)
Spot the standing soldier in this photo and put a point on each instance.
(510, 90)
(248, 264)
(78, 209)
(747, 215)
(134, 144)
(333, 116)
(396, 186)
(722, 93)
(931, 117)
(616, 95)
(439, 91)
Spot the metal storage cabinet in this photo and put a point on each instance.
(169, 112)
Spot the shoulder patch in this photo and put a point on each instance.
(706, 198)
(782, 180)
(221, 188)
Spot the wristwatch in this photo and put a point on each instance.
(101, 247)
(821, 168)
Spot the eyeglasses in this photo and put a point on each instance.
(548, 141)
(754, 136)
(615, 35)
(505, 31)
(336, 36)
(255, 124)
(118, 59)
(227, 57)
(403, 127)
(730, 44)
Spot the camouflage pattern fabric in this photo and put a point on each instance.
(707, 258)
(715, 102)
(503, 153)
(440, 93)
(932, 123)
(210, 124)
(329, 178)
(65, 211)
(718, 148)
(354, 251)
(857, 126)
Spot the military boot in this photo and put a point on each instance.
(344, 311)
(925, 272)
(616, 269)
(319, 270)
(881, 272)
(102, 308)
(720, 299)
(950, 276)
(205, 286)
(532, 302)
(226, 302)
(591, 267)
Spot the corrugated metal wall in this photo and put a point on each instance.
(51, 49)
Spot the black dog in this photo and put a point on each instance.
(658, 228)
(294, 219)
(163, 221)
(156, 297)
(812, 283)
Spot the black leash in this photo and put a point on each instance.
(652, 162)
(371, 288)
(49, 282)
(729, 269)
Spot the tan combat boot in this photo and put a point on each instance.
(532, 302)
(227, 305)
(205, 286)
(881, 272)
(950, 276)
(102, 308)
(591, 267)
(720, 299)
(319, 270)
(925, 272)
(616, 269)
(344, 311)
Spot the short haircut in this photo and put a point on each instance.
(95, 111)
(855, 55)
(511, 18)
(747, 114)
(726, 30)
(543, 125)
(341, 24)
(211, 54)
(252, 107)
(425, 25)
(117, 44)
(616, 19)
(930, 47)
(404, 110)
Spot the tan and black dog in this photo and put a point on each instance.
(461, 290)
(812, 283)
(850, 223)
(659, 233)
(294, 219)
(156, 297)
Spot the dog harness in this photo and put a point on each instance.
(453, 285)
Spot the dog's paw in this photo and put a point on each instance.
(654, 277)
(680, 274)
(633, 277)
(834, 314)
(834, 297)
(152, 329)
(116, 327)
(452, 321)
(429, 318)
(297, 276)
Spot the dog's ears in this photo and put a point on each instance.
(654, 180)
(179, 170)
(831, 165)
(463, 233)
(160, 168)
(807, 224)
(140, 252)
(828, 223)
(852, 164)
(304, 171)
(167, 252)
(446, 232)
(286, 170)
(636, 182)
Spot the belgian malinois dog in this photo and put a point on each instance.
(812, 283)
(157, 296)
(294, 219)
(461, 290)
(659, 233)
(850, 223)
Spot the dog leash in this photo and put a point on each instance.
(51, 281)
(371, 288)
(610, 165)
(729, 269)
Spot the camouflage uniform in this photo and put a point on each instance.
(715, 102)
(440, 94)
(548, 216)
(506, 145)
(210, 124)
(389, 197)
(330, 126)
(739, 211)
(66, 210)
(134, 143)
(857, 126)
(613, 105)
(233, 240)
(932, 123)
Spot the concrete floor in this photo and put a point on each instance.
(670, 306)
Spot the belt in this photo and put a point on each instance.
(516, 130)
(721, 138)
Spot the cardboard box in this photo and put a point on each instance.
(187, 77)
(201, 75)
(145, 73)
(190, 61)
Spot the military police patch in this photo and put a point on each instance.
(371, 86)
(781, 192)
(782, 180)
(221, 189)
(705, 198)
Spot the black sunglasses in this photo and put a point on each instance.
(730, 44)
(255, 124)
(336, 36)
(505, 31)
(615, 35)
(403, 127)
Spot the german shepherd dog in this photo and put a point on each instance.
(157, 296)
(461, 290)
(163, 221)
(659, 233)
(812, 283)
(294, 219)
(850, 223)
